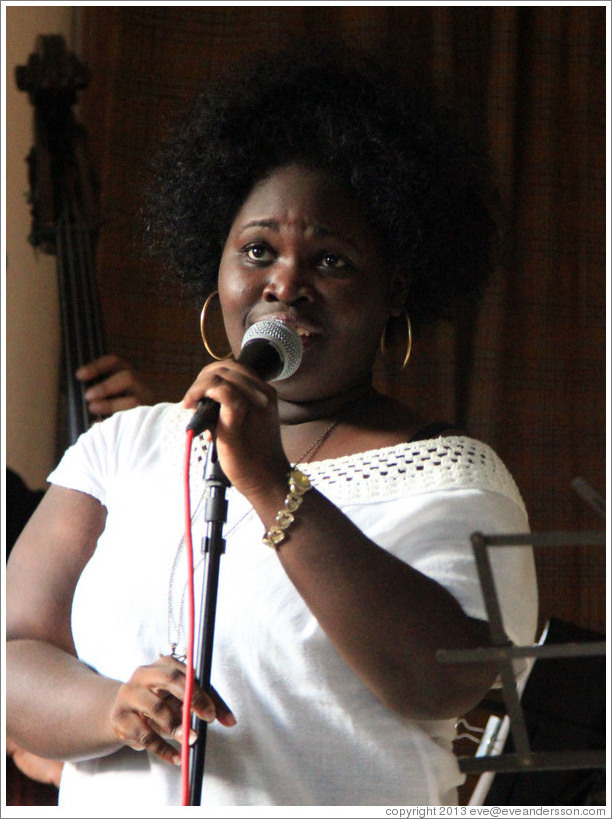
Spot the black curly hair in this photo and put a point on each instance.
(419, 179)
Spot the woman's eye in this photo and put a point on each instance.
(258, 253)
(333, 262)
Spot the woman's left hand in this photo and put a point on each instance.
(248, 437)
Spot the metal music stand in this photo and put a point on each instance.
(524, 759)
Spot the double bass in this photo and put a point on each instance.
(65, 223)
(65, 218)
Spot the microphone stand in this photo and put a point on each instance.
(213, 547)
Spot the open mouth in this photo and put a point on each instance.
(305, 330)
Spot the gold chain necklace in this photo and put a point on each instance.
(177, 626)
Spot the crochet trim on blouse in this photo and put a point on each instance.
(437, 464)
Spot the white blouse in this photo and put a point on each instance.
(309, 731)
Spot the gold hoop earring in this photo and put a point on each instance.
(209, 349)
(383, 340)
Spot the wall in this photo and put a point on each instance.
(32, 312)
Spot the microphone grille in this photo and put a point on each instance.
(283, 338)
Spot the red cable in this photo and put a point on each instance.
(186, 724)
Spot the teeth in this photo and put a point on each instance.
(303, 332)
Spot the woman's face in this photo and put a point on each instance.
(301, 251)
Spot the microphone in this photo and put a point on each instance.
(272, 349)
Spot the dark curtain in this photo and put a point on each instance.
(526, 373)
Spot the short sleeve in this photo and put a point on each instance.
(117, 443)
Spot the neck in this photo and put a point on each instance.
(292, 413)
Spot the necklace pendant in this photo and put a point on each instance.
(180, 657)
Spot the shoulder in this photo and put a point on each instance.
(440, 464)
(386, 422)
(134, 428)
(121, 439)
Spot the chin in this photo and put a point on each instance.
(303, 390)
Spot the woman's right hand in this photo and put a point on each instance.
(248, 435)
(147, 712)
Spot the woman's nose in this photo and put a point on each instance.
(288, 282)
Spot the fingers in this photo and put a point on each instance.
(106, 407)
(103, 366)
(223, 711)
(118, 386)
(148, 711)
(47, 771)
(207, 707)
(137, 732)
(231, 385)
(247, 432)
(146, 722)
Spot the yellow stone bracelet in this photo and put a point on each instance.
(299, 484)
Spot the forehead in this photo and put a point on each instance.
(295, 195)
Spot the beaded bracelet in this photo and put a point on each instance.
(299, 484)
